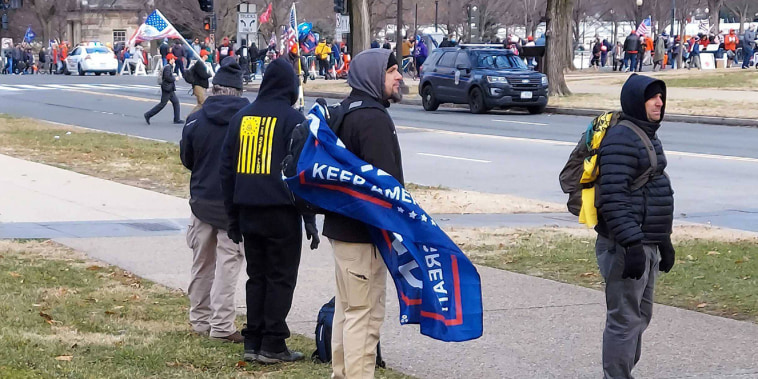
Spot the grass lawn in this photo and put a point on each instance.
(718, 278)
(139, 162)
(66, 316)
(717, 108)
(742, 79)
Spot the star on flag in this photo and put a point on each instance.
(400, 209)
(412, 215)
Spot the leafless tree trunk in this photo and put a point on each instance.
(359, 26)
(558, 44)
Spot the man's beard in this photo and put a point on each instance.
(396, 96)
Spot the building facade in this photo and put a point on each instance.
(105, 21)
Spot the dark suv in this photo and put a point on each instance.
(483, 76)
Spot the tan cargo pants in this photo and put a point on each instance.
(358, 309)
(216, 264)
(200, 95)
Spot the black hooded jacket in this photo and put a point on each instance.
(369, 134)
(200, 150)
(252, 177)
(201, 75)
(645, 215)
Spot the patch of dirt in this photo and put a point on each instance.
(442, 201)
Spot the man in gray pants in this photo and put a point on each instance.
(634, 222)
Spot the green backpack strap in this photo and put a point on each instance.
(641, 180)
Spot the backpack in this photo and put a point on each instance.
(323, 353)
(579, 176)
(335, 115)
(189, 76)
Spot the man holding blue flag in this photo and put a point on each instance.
(369, 133)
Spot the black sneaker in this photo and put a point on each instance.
(285, 356)
(147, 118)
(250, 356)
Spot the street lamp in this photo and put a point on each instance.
(639, 12)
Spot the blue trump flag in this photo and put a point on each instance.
(29, 35)
(437, 286)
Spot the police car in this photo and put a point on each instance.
(92, 57)
(482, 76)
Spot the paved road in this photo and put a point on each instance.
(712, 167)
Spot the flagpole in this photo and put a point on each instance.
(182, 38)
(300, 95)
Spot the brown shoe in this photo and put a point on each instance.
(235, 337)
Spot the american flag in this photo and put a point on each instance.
(644, 28)
(292, 31)
(155, 27)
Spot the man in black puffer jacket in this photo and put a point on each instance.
(634, 227)
(262, 213)
(216, 259)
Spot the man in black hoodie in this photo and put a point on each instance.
(369, 133)
(634, 226)
(262, 214)
(168, 92)
(216, 259)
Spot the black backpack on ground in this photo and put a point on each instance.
(323, 353)
(335, 115)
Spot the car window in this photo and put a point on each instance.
(462, 59)
(434, 57)
(448, 59)
(498, 60)
(75, 52)
(98, 50)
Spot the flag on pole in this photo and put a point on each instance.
(266, 16)
(291, 32)
(155, 27)
(29, 35)
(437, 285)
(644, 28)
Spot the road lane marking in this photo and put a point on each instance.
(84, 86)
(521, 122)
(123, 97)
(27, 86)
(57, 86)
(564, 143)
(9, 88)
(452, 157)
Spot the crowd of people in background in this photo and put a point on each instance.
(664, 51)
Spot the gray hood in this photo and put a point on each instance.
(367, 71)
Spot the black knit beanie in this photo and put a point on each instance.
(229, 74)
(653, 89)
(391, 61)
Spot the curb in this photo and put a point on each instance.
(706, 120)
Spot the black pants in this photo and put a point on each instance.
(273, 241)
(323, 68)
(165, 98)
(179, 66)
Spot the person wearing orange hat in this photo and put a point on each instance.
(730, 45)
(168, 92)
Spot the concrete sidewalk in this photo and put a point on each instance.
(534, 328)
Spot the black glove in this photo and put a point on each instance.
(634, 262)
(234, 233)
(311, 232)
(668, 255)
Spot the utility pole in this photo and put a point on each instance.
(673, 17)
(436, 5)
(399, 45)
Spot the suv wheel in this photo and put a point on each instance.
(428, 100)
(536, 109)
(476, 101)
(81, 72)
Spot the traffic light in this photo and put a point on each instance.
(4, 23)
(207, 22)
(206, 5)
(339, 6)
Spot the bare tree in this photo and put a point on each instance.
(47, 13)
(558, 44)
(743, 9)
(714, 7)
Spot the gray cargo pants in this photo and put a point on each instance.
(629, 305)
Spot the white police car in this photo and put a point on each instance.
(93, 57)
